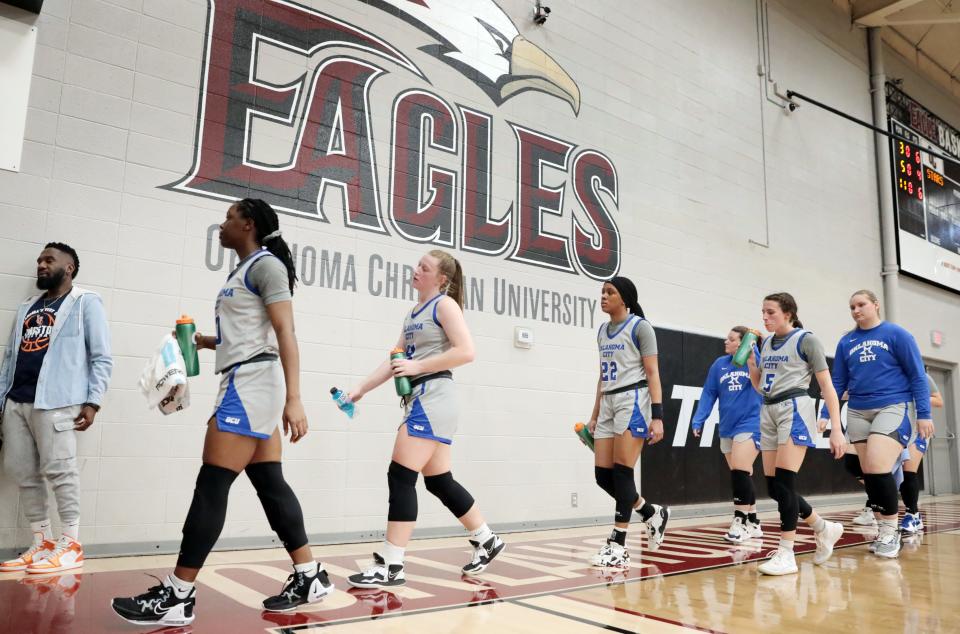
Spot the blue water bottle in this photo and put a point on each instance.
(345, 404)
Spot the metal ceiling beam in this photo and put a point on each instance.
(875, 12)
(943, 19)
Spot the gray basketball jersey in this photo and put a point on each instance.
(784, 368)
(423, 336)
(243, 326)
(620, 360)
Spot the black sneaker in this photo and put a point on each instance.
(159, 605)
(300, 588)
(483, 555)
(379, 575)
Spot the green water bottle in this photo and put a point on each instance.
(401, 383)
(186, 330)
(585, 436)
(746, 348)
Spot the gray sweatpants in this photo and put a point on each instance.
(41, 444)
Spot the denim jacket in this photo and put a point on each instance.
(77, 366)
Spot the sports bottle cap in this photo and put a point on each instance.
(185, 319)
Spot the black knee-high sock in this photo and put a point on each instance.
(910, 491)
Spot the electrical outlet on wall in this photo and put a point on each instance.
(574, 500)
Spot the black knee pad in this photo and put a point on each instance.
(851, 462)
(784, 484)
(207, 512)
(882, 489)
(625, 491)
(402, 483)
(910, 491)
(279, 503)
(742, 487)
(604, 477)
(450, 492)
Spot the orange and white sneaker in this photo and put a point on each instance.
(37, 553)
(67, 555)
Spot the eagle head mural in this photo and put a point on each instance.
(479, 39)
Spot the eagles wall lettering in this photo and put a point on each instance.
(285, 114)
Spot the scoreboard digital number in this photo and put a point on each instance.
(908, 171)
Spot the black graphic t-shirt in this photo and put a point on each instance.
(34, 341)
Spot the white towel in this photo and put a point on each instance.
(164, 378)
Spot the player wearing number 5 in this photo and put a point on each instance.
(436, 339)
(788, 422)
(627, 412)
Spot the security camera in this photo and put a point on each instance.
(540, 14)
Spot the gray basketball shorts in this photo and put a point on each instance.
(899, 421)
(251, 399)
(431, 411)
(726, 444)
(623, 411)
(793, 420)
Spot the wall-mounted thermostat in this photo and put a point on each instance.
(522, 337)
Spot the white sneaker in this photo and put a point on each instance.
(887, 544)
(919, 522)
(657, 526)
(754, 530)
(611, 555)
(865, 518)
(38, 552)
(873, 545)
(782, 563)
(738, 532)
(826, 538)
(66, 556)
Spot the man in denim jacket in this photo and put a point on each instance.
(55, 371)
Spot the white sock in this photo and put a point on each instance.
(310, 568)
(819, 525)
(787, 545)
(72, 529)
(41, 531)
(392, 554)
(890, 525)
(482, 534)
(180, 587)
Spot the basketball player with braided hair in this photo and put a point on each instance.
(788, 422)
(627, 414)
(259, 364)
(436, 340)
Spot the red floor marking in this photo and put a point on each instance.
(229, 594)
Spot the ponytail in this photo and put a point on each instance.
(268, 235)
(450, 267)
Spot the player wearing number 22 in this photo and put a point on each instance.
(436, 339)
(627, 412)
(259, 364)
(788, 422)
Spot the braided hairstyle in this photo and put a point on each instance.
(787, 304)
(265, 222)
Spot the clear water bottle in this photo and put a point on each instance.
(343, 402)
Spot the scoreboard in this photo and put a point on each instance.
(927, 206)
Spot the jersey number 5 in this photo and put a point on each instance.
(767, 382)
(608, 371)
